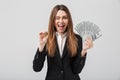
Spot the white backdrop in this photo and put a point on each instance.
(22, 20)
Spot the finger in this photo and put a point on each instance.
(45, 34)
(89, 38)
(41, 35)
(45, 39)
(91, 45)
(86, 45)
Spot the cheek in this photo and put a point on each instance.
(66, 22)
(55, 23)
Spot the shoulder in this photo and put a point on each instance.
(79, 38)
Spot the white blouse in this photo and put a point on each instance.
(61, 42)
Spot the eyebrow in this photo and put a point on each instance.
(62, 16)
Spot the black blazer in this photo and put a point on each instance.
(61, 68)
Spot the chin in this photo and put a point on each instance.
(61, 31)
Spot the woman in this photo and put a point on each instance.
(63, 48)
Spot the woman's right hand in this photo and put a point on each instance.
(43, 36)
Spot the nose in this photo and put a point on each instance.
(60, 20)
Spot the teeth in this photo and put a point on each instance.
(60, 26)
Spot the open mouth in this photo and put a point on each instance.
(61, 25)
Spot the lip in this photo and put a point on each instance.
(61, 27)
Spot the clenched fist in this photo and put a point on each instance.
(43, 36)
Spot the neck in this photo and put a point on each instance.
(62, 34)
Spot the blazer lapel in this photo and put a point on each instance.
(64, 50)
(57, 52)
(57, 49)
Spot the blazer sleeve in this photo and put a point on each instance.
(38, 60)
(78, 62)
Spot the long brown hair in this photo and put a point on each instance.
(71, 39)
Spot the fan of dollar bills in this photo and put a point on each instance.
(88, 29)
